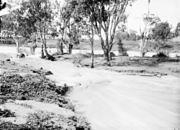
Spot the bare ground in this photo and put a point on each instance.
(113, 100)
(29, 100)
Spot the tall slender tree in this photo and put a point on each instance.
(105, 16)
(150, 20)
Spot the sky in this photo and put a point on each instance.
(167, 10)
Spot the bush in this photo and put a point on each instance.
(6, 113)
(33, 87)
(160, 55)
(11, 126)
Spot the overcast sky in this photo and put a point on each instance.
(167, 10)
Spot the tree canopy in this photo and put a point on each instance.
(161, 31)
(105, 16)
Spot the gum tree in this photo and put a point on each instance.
(41, 11)
(160, 34)
(105, 16)
(177, 30)
(66, 19)
(150, 20)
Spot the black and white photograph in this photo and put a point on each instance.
(89, 64)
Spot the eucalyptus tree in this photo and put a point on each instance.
(177, 30)
(66, 20)
(160, 34)
(105, 16)
(150, 20)
(36, 16)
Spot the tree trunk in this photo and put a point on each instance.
(45, 46)
(60, 47)
(142, 47)
(17, 46)
(16, 39)
(92, 54)
(42, 51)
(33, 48)
(70, 48)
(107, 56)
(92, 47)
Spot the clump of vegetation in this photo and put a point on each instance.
(38, 87)
(32, 87)
(160, 34)
(160, 55)
(44, 120)
(6, 113)
(122, 51)
(9, 125)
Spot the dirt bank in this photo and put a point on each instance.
(29, 100)
(111, 100)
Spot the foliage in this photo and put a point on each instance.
(47, 120)
(67, 21)
(160, 34)
(161, 31)
(105, 16)
(8, 22)
(6, 113)
(39, 88)
(9, 125)
(177, 31)
(23, 26)
(150, 20)
(2, 6)
(32, 87)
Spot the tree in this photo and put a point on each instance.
(21, 23)
(2, 6)
(88, 30)
(14, 22)
(177, 30)
(83, 25)
(132, 35)
(121, 34)
(42, 13)
(150, 20)
(105, 16)
(66, 19)
(60, 24)
(160, 33)
(37, 18)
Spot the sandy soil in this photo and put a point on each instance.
(112, 101)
